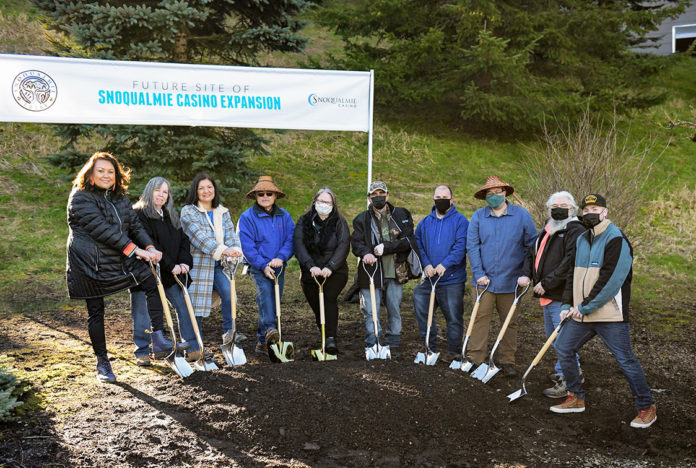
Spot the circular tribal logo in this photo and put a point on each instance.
(34, 90)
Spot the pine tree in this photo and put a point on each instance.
(503, 64)
(225, 32)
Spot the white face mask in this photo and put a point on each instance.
(323, 208)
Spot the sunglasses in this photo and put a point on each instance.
(265, 194)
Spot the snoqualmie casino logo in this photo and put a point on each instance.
(34, 90)
(316, 100)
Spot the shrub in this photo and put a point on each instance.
(11, 391)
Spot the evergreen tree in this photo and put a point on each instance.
(226, 32)
(503, 64)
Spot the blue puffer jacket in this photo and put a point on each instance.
(443, 241)
(265, 236)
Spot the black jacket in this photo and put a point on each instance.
(322, 244)
(172, 242)
(101, 225)
(555, 263)
(363, 241)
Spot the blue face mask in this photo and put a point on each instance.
(494, 201)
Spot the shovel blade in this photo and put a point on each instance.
(431, 359)
(205, 365)
(179, 365)
(466, 366)
(420, 358)
(319, 355)
(455, 364)
(234, 356)
(490, 374)
(480, 371)
(284, 351)
(517, 395)
(377, 352)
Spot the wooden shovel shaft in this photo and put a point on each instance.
(194, 322)
(233, 296)
(276, 288)
(431, 307)
(548, 343)
(163, 299)
(508, 319)
(470, 328)
(373, 303)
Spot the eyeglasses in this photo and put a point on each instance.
(265, 194)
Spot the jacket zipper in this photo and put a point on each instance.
(120, 227)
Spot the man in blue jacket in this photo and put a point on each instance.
(601, 291)
(498, 239)
(441, 238)
(266, 231)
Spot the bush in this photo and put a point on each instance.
(591, 156)
(11, 391)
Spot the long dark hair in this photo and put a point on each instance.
(83, 179)
(192, 197)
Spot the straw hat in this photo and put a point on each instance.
(265, 184)
(493, 182)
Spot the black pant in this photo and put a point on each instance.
(332, 288)
(95, 317)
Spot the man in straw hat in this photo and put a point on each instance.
(382, 238)
(601, 292)
(266, 232)
(498, 239)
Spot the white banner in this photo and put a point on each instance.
(71, 90)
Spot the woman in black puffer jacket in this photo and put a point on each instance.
(322, 243)
(106, 244)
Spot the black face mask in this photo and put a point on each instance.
(590, 220)
(379, 202)
(442, 204)
(559, 213)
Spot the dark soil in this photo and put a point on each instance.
(348, 412)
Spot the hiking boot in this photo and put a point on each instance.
(104, 372)
(557, 391)
(509, 370)
(331, 347)
(451, 356)
(272, 336)
(645, 417)
(239, 337)
(193, 356)
(143, 361)
(261, 348)
(161, 345)
(570, 405)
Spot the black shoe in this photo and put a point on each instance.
(509, 370)
(331, 347)
(260, 348)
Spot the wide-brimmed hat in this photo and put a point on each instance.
(493, 182)
(265, 184)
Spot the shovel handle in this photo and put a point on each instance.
(508, 319)
(233, 296)
(192, 315)
(163, 299)
(549, 341)
(373, 304)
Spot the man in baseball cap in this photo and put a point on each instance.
(600, 293)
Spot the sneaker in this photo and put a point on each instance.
(645, 417)
(227, 337)
(557, 391)
(261, 348)
(553, 377)
(104, 372)
(143, 361)
(272, 336)
(331, 347)
(570, 405)
(509, 370)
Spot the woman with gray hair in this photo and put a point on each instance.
(322, 242)
(548, 264)
(157, 215)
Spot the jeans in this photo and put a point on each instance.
(450, 298)
(392, 299)
(616, 336)
(141, 320)
(552, 317)
(221, 284)
(265, 299)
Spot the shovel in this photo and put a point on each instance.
(282, 351)
(174, 360)
(523, 391)
(466, 366)
(486, 372)
(234, 355)
(321, 354)
(202, 364)
(375, 351)
(426, 356)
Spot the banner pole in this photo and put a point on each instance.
(370, 127)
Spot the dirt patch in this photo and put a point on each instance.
(343, 413)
